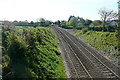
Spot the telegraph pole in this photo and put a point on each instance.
(118, 9)
(119, 18)
(118, 31)
(118, 25)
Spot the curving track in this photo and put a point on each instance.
(82, 60)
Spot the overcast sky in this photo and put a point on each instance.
(53, 9)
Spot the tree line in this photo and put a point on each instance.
(108, 22)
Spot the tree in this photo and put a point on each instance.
(57, 22)
(106, 15)
(36, 24)
(63, 23)
(15, 22)
(97, 22)
(8, 25)
(47, 23)
(73, 21)
(70, 18)
(31, 23)
(81, 22)
(42, 21)
(80, 25)
(22, 23)
(87, 22)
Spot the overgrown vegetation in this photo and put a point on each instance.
(105, 41)
(31, 53)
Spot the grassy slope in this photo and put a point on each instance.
(39, 48)
(105, 41)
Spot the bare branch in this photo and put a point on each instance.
(107, 14)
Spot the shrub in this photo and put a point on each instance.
(31, 54)
(84, 30)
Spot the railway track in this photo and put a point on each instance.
(78, 69)
(85, 62)
(97, 59)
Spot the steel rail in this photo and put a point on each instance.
(77, 57)
(68, 55)
(94, 57)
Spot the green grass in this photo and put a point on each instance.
(35, 51)
(105, 41)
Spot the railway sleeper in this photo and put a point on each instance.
(111, 77)
(105, 71)
(84, 76)
(73, 76)
(110, 74)
(82, 73)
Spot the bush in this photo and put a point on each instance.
(84, 30)
(31, 54)
(106, 41)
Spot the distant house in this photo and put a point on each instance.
(112, 22)
(1, 23)
(91, 24)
